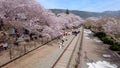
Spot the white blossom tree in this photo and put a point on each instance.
(30, 15)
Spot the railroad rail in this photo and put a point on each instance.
(62, 53)
(80, 49)
(65, 50)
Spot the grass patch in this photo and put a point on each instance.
(107, 40)
(115, 46)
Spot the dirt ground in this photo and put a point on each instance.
(93, 50)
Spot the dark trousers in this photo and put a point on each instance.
(5, 48)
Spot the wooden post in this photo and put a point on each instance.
(10, 52)
(24, 48)
(42, 40)
(10, 44)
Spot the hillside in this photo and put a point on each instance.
(86, 14)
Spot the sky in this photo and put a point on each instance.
(83, 5)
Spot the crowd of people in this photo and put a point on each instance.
(63, 38)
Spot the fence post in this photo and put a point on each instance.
(24, 48)
(10, 52)
(42, 40)
(47, 40)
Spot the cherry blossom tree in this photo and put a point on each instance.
(108, 25)
(112, 29)
(30, 15)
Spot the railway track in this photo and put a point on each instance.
(68, 48)
(65, 57)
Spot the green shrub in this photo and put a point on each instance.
(100, 34)
(115, 47)
(108, 40)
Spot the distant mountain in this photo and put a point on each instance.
(86, 14)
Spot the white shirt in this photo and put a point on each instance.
(5, 45)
